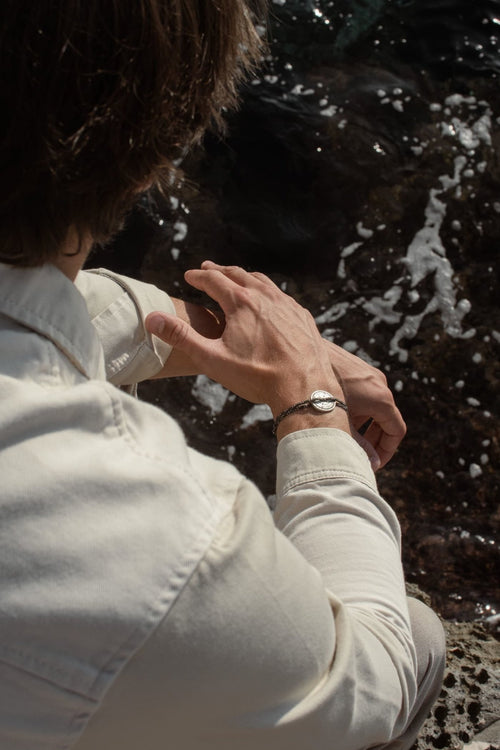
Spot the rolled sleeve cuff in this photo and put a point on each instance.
(118, 306)
(321, 453)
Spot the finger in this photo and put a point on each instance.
(238, 274)
(384, 441)
(217, 285)
(386, 447)
(235, 273)
(263, 278)
(388, 427)
(386, 437)
(181, 336)
(369, 450)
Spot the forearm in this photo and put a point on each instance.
(350, 525)
(328, 505)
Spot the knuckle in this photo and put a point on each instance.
(230, 270)
(260, 276)
(379, 390)
(379, 375)
(243, 295)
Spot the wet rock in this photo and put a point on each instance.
(469, 703)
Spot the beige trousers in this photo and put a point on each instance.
(428, 635)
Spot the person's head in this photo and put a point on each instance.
(99, 97)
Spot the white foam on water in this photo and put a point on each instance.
(426, 255)
(469, 122)
(381, 309)
(181, 230)
(362, 354)
(336, 311)
(350, 249)
(363, 232)
(347, 251)
(300, 90)
(329, 111)
(470, 135)
(210, 394)
(475, 471)
(350, 346)
(258, 413)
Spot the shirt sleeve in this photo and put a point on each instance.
(117, 306)
(290, 634)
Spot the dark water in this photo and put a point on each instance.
(363, 173)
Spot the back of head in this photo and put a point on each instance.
(100, 97)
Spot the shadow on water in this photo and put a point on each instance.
(362, 172)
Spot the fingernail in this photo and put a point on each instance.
(156, 324)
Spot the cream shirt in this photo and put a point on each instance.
(148, 598)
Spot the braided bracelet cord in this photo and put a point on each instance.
(310, 402)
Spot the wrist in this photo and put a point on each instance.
(288, 394)
(320, 401)
(321, 408)
(307, 420)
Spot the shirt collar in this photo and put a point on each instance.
(46, 301)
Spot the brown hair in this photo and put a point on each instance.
(99, 99)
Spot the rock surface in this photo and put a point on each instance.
(467, 713)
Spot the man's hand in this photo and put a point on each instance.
(368, 397)
(270, 350)
(365, 387)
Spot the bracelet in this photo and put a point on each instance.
(322, 401)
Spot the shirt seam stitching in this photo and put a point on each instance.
(309, 476)
(131, 359)
(43, 677)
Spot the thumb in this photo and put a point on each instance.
(178, 333)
